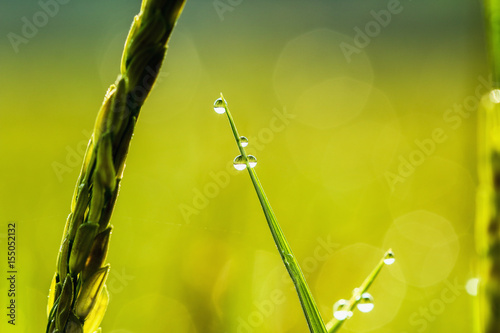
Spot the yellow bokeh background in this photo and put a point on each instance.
(363, 143)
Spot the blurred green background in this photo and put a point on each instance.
(362, 117)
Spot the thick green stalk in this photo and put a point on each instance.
(492, 13)
(309, 307)
(488, 214)
(78, 297)
(488, 194)
(334, 324)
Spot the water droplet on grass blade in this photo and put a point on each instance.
(340, 310)
(252, 160)
(365, 303)
(389, 258)
(219, 106)
(244, 141)
(239, 162)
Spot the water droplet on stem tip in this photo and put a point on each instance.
(389, 258)
(219, 106)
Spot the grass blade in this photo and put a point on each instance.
(311, 312)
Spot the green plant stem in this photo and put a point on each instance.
(312, 314)
(488, 216)
(488, 192)
(492, 16)
(78, 297)
(334, 324)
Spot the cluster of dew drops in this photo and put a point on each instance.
(341, 310)
(239, 162)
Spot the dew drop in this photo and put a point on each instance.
(219, 106)
(495, 96)
(365, 303)
(341, 310)
(244, 141)
(239, 163)
(252, 160)
(389, 258)
(472, 286)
